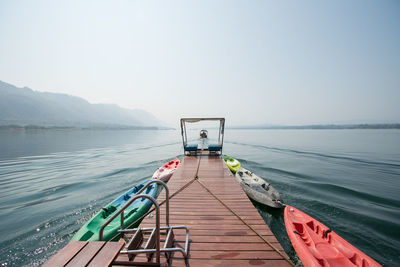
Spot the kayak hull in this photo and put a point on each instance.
(90, 231)
(258, 189)
(317, 245)
(232, 163)
(165, 172)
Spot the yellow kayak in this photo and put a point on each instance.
(233, 164)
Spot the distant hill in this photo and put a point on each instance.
(23, 106)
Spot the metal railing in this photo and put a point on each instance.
(138, 196)
(165, 249)
(168, 228)
(166, 197)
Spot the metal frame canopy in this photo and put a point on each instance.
(194, 120)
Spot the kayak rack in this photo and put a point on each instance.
(153, 244)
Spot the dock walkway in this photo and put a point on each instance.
(225, 227)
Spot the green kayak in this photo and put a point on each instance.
(90, 231)
(232, 163)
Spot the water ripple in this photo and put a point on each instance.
(321, 155)
(47, 198)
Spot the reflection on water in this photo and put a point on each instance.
(51, 182)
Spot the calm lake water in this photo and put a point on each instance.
(52, 181)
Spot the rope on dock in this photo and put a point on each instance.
(240, 218)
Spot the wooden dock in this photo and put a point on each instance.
(225, 228)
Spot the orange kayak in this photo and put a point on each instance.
(317, 245)
(165, 172)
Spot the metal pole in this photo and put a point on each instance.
(183, 137)
(219, 133)
(157, 231)
(184, 125)
(166, 195)
(222, 133)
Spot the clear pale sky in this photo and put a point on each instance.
(253, 62)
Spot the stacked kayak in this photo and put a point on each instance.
(255, 187)
(165, 172)
(258, 189)
(317, 245)
(90, 231)
(232, 163)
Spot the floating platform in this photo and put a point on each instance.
(225, 228)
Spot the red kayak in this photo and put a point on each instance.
(317, 245)
(165, 172)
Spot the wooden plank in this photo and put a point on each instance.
(245, 232)
(234, 254)
(211, 217)
(107, 254)
(233, 263)
(226, 239)
(216, 226)
(86, 254)
(229, 246)
(206, 202)
(226, 222)
(197, 213)
(241, 263)
(209, 221)
(65, 254)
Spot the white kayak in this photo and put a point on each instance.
(258, 189)
(165, 172)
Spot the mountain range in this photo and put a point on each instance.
(24, 106)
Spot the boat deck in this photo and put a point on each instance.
(225, 227)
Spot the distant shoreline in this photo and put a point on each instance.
(40, 127)
(276, 127)
(322, 127)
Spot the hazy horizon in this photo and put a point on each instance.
(254, 63)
